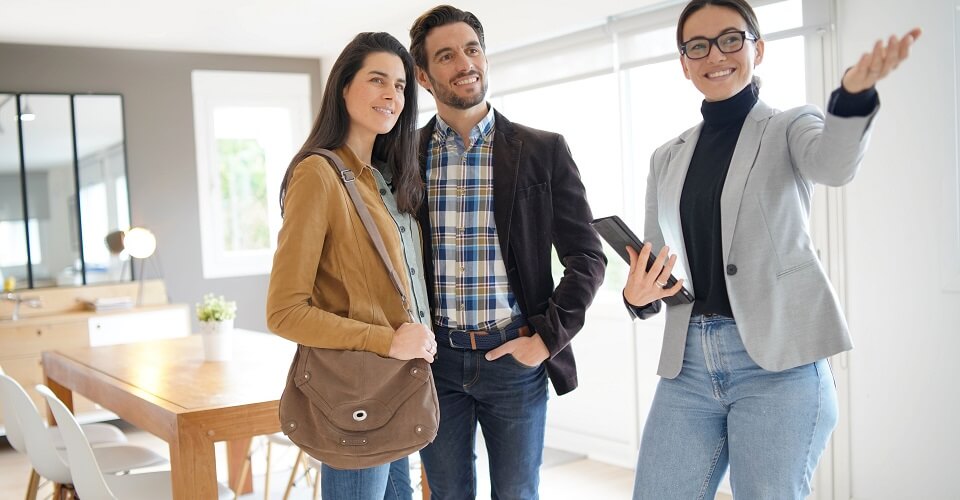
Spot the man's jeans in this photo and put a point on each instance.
(723, 409)
(385, 482)
(509, 400)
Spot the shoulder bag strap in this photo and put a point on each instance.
(349, 180)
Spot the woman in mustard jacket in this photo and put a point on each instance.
(329, 287)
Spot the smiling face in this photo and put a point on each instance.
(720, 76)
(456, 71)
(374, 98)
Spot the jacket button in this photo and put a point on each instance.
(731, 269)
(383, 192)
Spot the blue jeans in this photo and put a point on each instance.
(384, 482)
(509, 400)
(723, 409)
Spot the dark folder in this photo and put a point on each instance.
(619, 236)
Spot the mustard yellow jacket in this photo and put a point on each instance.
(329, 287)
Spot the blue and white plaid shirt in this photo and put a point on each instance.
(470, 280)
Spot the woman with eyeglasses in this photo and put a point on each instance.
(744, 377)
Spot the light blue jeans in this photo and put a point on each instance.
(384, 482)
(723, 409)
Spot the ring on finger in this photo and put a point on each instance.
(660, 284)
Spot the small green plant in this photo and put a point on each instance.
(214, 308)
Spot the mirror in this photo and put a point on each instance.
(66, 153)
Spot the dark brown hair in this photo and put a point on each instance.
(741, 6)
(396, 148)
(440, 15)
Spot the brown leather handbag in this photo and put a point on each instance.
(356, 409)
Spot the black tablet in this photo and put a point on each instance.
(619, 236)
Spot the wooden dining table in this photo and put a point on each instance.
(166, 388)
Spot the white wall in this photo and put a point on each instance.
(904, 399)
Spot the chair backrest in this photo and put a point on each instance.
(33, 431)
(11, 422)
(87, 476)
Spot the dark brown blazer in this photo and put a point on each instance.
(539, 202)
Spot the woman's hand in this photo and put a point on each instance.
(644, 287)
(413, 340)
(876, 65)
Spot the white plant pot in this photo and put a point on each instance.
(217, 339)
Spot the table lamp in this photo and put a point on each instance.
(140, 243)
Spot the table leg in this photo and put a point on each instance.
(238, 452)
(63, 394)
(193, 464)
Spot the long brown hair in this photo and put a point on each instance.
(396, 148)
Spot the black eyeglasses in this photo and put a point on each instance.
(728, 43)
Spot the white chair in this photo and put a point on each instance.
(51, 463)
(88, 477)
(99, 434)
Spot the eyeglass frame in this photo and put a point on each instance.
(712, 42)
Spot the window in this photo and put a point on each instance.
(248, 126)
(13, 254)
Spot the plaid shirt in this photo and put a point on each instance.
(470, 282)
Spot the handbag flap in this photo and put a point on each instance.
(357, 390)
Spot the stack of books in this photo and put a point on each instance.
(107, 304)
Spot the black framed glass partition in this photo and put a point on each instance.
(63, 188)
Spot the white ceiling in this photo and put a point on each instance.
(308, 28)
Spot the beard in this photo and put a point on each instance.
(448, 96)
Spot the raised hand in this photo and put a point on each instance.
(413, 340)
(875, 65)
(644, 287)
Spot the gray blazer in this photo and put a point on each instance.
(786, 310)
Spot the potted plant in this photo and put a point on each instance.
(216, 315)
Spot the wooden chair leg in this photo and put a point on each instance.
(247, 464)
(306, 470)
(33, 485)
(266, 478)
(293, 474)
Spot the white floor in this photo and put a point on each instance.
(563, 475)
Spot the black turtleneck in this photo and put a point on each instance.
(700, 199)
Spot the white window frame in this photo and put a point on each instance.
(950, 253)
(215, 89)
